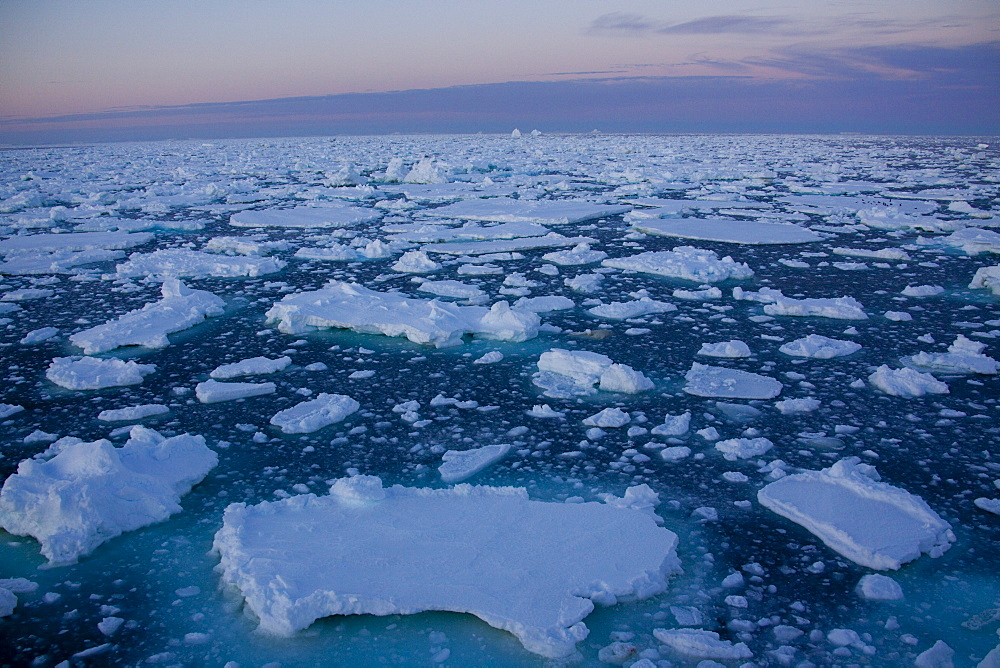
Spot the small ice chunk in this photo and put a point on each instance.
(415, 262)
(92, 373)
(461, 464)
(922, 290)
(743, 448)
(313, 415)
(608, 418)
(675, 453)
(791, 406)
(579, 254)
(701, 644)
(869, 522)
(875, 587)
(132, 412)
(674, 425)
(898, 316)
(212, 391)
(89, 493)
(938, 656)
(39, 335)
(491, 357)
(731, 349)
(625, 379)
(631, 309)
(251, 366)
(544, 411)
(906, 382)
(6, 410)
(819, 347)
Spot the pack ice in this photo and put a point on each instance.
(87, 493)
(180, 308)
(867, 521)
(366, 549)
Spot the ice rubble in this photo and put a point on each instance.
(867, 521)
(684, 262)
(180, 262)
(441, 324)
(467, 549)
(94, 373)
(715, 381)
(180, 308)
(545, 212)
(458, 465)
(314, 414)
(88, 493)
(563, 374)
(728, 231)
(333, 214)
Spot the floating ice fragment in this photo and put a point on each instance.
(987, 278)
(938, 656)
(491, 357)
(39, 335)
(963, 356)
(608, 418)
(791, 406)
(545, 212)
(6, 410)
(728, 231)
(180, 308)
(743, 448)
(922, 290)
(875, 587)
(251, 366)
(212, 391)
(906, 382)
(180, 262)
(416, 262)
(92, 373)
(544, 411)
(715, 381)
(132, 413)
(334, 214)
(674, 425)
(89, 493)
(461, 464)
(579, 254)
(730, 349)
(841, 308)
(467, 549)
(898, 316)
(313, 415)
(684, 262)
(631, 309)
(869, 522)
(700, 644)
(819, 347)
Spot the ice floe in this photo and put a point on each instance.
(88, 493)
(840, 308)
(684, 262)
(179, 262)
(715, 381)
(563, 374)
(212, 391)
(728, 231)
(818, 346)
(872, 523)
(441, 324)
(730, 349)
(459, 465)
(545, 212)
(468, 549)
(93, 373)
(331, 215)
(180, 308)
(702, 644)
(579, 254)
(314, 414)
(963, 356)
(906, 382)
(987, 278)
(132, 412)
(250, 367)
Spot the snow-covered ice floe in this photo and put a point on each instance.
(94, 373)
(963, 356)
(579, 254)
(684, 262)
(716, 381)
(987, 278)
(906, 382)
(180, 308)
(563, 374)
(441, 324)
(132, 412)
(180, 262)
(314, 414)
(88, 493)
(250, 367)
(728, 231)
(212, 391)
(701, 644)
(840, 308)
(332, 215)
(72, 242)
(872, 523)
(631, 309)
(468, 549)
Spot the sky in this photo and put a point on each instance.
(73, 70)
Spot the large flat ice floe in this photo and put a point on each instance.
(867, 521)
(72, 242)
(544, 212)
(441, 324)
(314, 414)
(728, 231)
(366, 549)
(684, 262)
(174, 262)
(88, 493)
(716, 381)
(838, 308)
(180, 308)
(332, 215)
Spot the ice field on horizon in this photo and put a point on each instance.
(501, 400)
